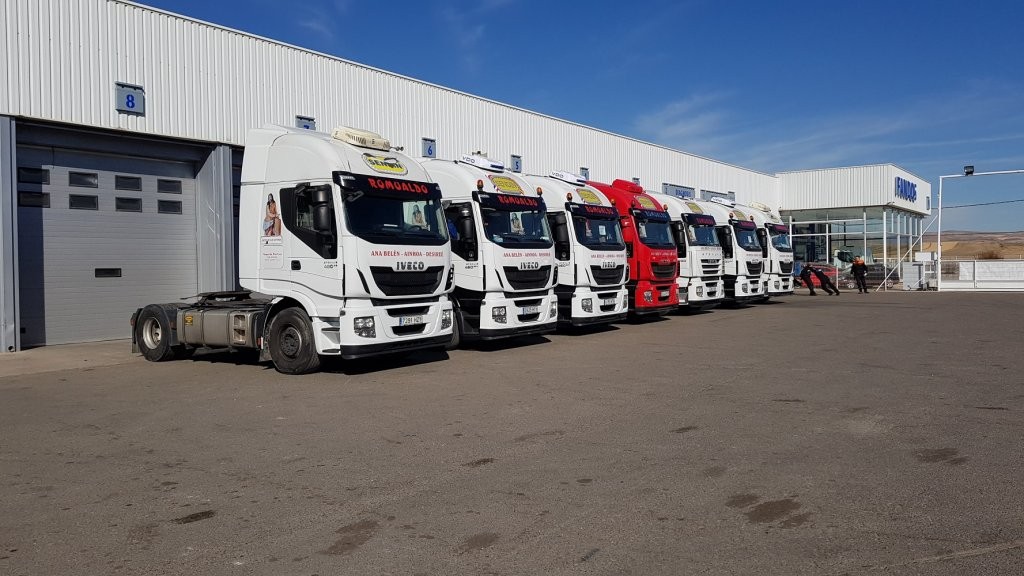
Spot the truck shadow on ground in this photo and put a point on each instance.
(573, 331)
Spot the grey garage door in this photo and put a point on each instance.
(98, 236)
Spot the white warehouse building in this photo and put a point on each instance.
(122, 130)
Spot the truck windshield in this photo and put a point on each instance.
(780, 237)
(653, 228)
(597, 227)
(702, 235)
(514, 221)
(700, 230)
(746, 236)
(390, 211)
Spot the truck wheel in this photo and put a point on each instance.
(291, 342)
(153, 335)
(456, 331)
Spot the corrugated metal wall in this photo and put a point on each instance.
(208, 83)
(853, 186)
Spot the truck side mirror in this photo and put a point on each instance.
(560, 232)
(762, 236)
(322, 221)
(679, 231)
(320, 195)
(465, 225)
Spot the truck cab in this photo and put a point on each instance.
(502, 249)
(699, 252)
(776, 250)
(741, 251)
(590, 253)
(650, 248)
(343, 251)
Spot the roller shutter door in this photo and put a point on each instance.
(98, 236)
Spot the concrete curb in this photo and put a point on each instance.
(67, 357)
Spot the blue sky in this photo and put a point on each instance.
(769, 85)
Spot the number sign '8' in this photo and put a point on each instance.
(130, 99)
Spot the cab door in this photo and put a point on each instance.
(312, 255)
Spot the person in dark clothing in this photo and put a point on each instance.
(826, 283)
(805, 277)
(860, 274)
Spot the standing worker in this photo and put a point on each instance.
(805, 277)
(826, 282)
(860, 273)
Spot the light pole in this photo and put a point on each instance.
(968, 171)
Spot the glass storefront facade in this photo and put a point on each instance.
(881, 234)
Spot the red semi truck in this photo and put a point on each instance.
(650, 248)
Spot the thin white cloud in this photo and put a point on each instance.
(924, 135)
(467, 26)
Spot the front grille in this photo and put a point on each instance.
(786, 267)
(408, 330)
(711, 266)
(663, 271)
(606, 276)
(527, 279)
(754, 269)
(394, 283)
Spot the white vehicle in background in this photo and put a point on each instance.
(590, 253)
(342, 250)
(776, 249)
(741, 252)
(502, 250)
(701, 263)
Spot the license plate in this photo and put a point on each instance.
(608, 302)
(410, 320)
(529, 310)
(664, 293)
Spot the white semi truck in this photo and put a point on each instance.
(741, 251)
(701, 263)
(590, 254)
(776, 249)
(502, 250)
(342, 251)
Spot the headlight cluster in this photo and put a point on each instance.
(553, 313)
(446, 319)
(499, 314)
(588, 304)
(700, 290)
(743, 288)
(365, 327)
(648, 296)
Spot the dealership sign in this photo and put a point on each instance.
(906, 190)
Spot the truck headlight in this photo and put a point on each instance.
(499, 314)
(743, 288)
(365, 327)
(588, 304)
(446, 319)
(777, 285)
(648, 296)
(699, 290)
(553, 311)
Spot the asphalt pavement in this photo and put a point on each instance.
(851, 434)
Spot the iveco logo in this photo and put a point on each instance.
(409, 266)
(529, 265)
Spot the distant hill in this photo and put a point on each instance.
(966, 245)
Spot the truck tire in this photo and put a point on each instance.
(153, 335)
(456, 331)
(291, 343)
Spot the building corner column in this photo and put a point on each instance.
(10, 337)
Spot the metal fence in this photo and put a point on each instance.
(982, 275)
